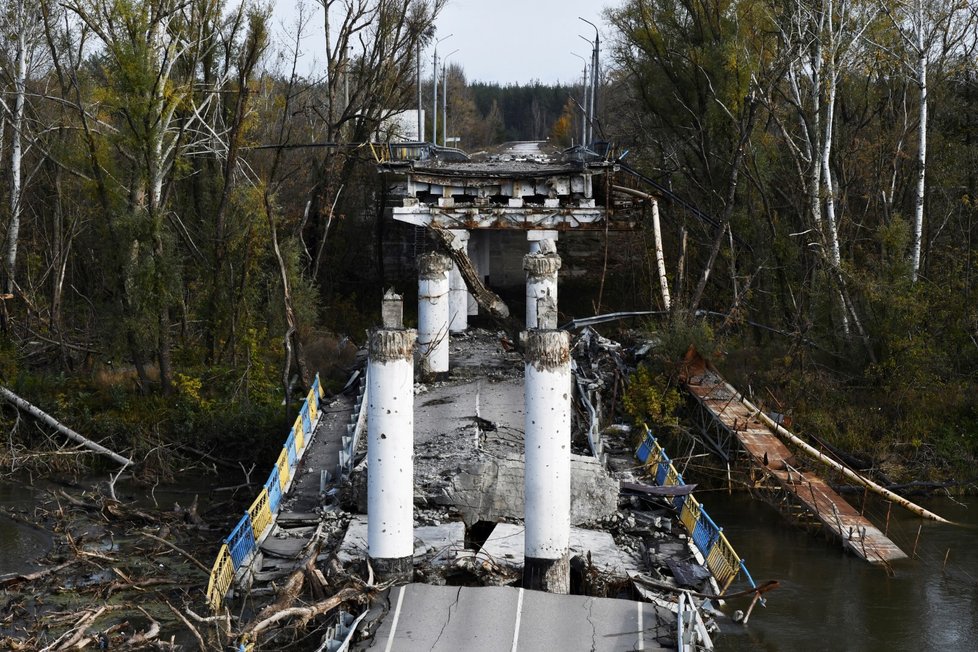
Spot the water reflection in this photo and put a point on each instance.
(832, 601)
(20, 544)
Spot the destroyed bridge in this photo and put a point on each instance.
(490, 493)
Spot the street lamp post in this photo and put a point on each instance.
(434, 93)
(595, 69)
(444, 97)
(584, 115)
(418, 71)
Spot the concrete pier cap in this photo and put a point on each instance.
(541, 281)
(547, 469)
(433, 313)
(542, 241)
(390, 453)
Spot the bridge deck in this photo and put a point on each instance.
(840, 518)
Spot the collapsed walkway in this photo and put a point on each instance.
(780, 468)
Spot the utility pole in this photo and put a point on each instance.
(444, 98)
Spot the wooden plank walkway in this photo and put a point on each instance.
(775, 459)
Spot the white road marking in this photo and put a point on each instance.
(519, 613)
(397, 615)
(641, 628)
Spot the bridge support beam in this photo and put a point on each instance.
(547, 471)
(390, 453)
(458, 292)
(433, 313)
(541, 282)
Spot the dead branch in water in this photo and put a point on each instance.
(305, 614)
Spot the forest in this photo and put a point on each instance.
(191, 221)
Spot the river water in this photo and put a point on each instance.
(20, 544)
(829, 600)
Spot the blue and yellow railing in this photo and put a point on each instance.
(707, 536)
(239, 546)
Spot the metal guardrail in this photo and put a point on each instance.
(239, 546)
(354, 429)
(721, 559)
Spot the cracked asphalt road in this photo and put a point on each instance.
(502, 618)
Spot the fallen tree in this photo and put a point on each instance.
(50, 421)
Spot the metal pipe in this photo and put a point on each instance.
(852, 475)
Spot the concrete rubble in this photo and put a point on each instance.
(468, 498)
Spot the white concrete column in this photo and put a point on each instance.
(547, 473)
(390, 453)
(541, 281)
(458, 293)
(433, 313)
(542, 241)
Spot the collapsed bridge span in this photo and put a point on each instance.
(800, 492)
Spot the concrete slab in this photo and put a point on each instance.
(441, 542)
(505, 546)
(487, 619)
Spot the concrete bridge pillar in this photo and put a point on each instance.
(542, 241)
(433, 313)
(541, 281)
(458, 293)
(547, 471)
(390, 453)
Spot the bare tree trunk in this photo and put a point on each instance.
(47, 419)
(720, 229)
(918, 216)
(680, 269)
(16, 148)
(831, 84)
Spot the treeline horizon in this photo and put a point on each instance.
(169, 205)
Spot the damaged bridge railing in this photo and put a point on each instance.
(721, 558)
(354, 429)
(239, 546)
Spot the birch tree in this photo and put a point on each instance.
(823, 40)
(21, 27)
(929, 30)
